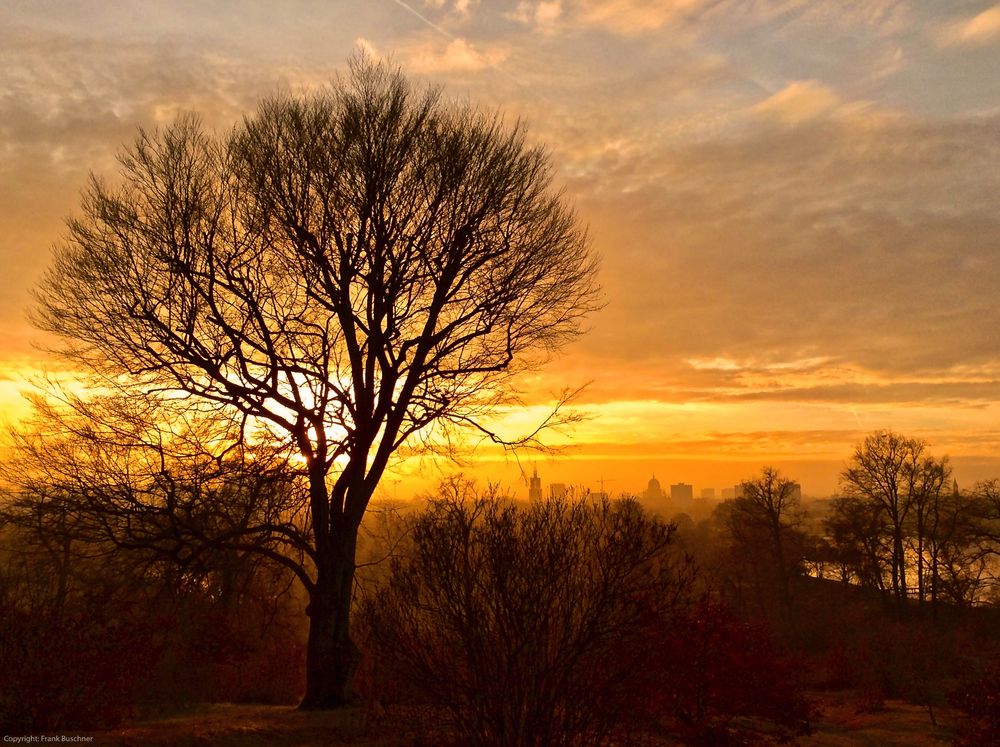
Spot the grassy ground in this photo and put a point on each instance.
(843, 723)
(238, 725)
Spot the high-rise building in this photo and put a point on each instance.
(708, 494)
(681, 493)
(557, 491)
(682, 498)
(535, 486)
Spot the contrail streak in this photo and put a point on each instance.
(425, 19)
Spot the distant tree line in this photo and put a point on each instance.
(899, 526)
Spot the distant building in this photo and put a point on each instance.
(739, 492)
(681, 493)
(708, 494)
(796, 494)
(557, 491)
(728, 494)
(654, 492)
(535, 486)
(681, 498)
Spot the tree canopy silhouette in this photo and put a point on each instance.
(764, 525)
(352, 270)
(893, 475)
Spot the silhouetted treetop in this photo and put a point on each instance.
(331, 252)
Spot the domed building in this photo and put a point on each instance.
(654, 491)
(654, 498)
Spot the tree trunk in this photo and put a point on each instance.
(934, 582)
(920, 556)
(331, 656)
(779, 557)
(900, 570)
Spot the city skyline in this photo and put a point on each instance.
(538, 479)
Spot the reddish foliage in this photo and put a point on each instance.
(979, 698)
(75, 670)
(711, 668)
(101, 657)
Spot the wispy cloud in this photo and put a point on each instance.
(634, 16)
(983, 28)
(800, 101)
(461, 7)
(826, 232)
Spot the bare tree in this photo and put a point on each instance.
(171, 564)
(768, 515)
(926, 480)
(959, 551)
(138, 474)
(976, 522)
(891, 473)
(355, 271)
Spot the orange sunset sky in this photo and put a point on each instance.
(797, 202)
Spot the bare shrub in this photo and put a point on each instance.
(523, 625)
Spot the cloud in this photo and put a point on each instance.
(630, 17)
(981, 29)
(457, 56)
(368, 48)
(67, 105)
(938, 394)
(542, 14)
(810, 101)
(637, 17)
(861, 242)
(888, 63)
(459, 7)
(882, 17)
(800, 101)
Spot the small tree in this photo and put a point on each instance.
(353, 271)
(888, 472)
(769, 514)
